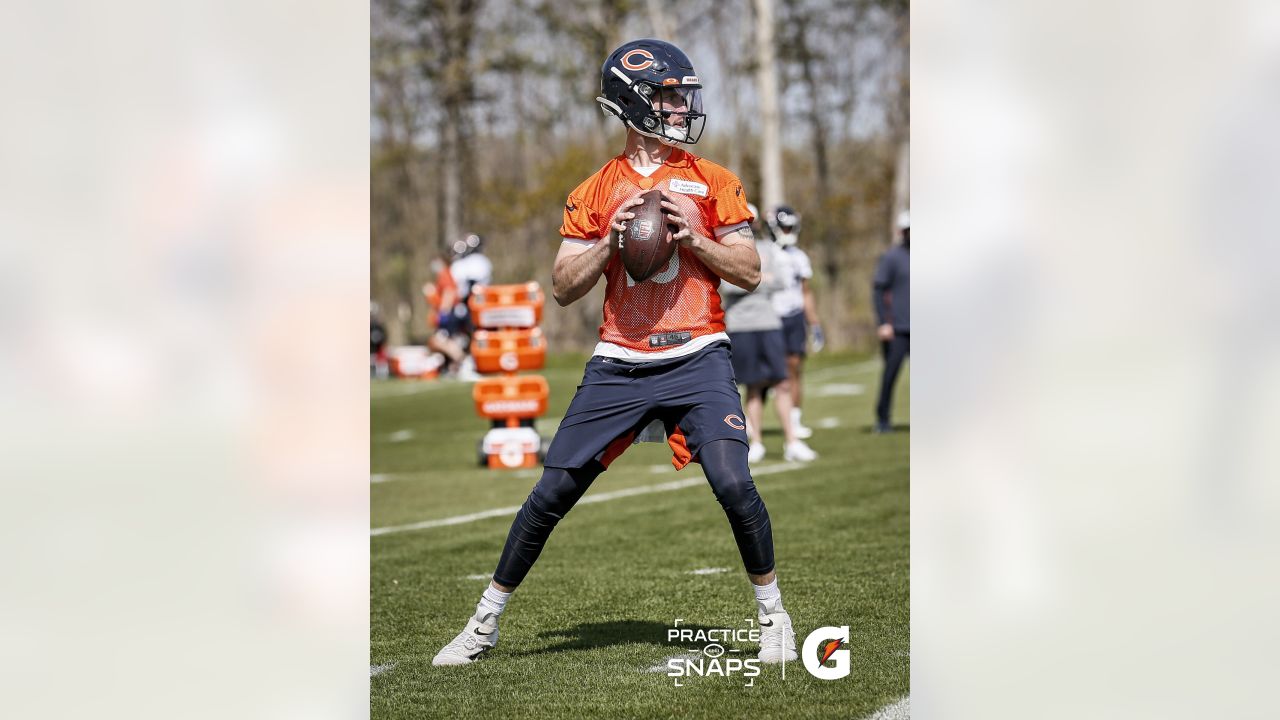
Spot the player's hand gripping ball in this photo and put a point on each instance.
(646, 245)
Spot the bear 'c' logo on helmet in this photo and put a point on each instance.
(630, 64)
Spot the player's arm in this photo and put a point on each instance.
(810, 305)
(578, 267)
(811, 316)
(881, 286)
(734, 258)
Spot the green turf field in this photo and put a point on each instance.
(580, 636)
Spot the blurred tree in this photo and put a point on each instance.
(773, 187)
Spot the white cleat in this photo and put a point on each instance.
(777, 639)
(467, 371)
(755, 453)
(477, 638)
(803, 432)
(797, 451)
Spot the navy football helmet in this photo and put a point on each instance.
(651, 86)
(784, 221)
(468, 245)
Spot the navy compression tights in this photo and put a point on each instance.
(724, 462)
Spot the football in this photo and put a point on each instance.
(646, 246)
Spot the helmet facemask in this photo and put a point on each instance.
(656, 114)
(675, 113)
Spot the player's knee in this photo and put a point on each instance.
(551, 496)
(558, 490)
(746, 502)
(725, 463)
(742, 503)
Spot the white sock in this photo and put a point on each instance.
(795, 416)
(492, 602)
(768, 597)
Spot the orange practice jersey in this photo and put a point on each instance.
(443, 293)
(682, 297)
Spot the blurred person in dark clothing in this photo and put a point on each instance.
(891, 295)
(377, 343)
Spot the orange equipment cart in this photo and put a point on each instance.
(508, 340)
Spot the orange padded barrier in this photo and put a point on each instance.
(518, 397)
(507, 306)
(507, 351)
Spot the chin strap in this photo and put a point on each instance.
(664, 139)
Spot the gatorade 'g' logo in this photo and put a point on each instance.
(823, 644)
(735, 422)
(637, 59)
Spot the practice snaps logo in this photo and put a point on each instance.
(827, 644)
(711, 658)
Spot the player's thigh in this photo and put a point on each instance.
(700, 402)
(607, 410)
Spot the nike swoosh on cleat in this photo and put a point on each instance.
(486, 634)
(768, 624)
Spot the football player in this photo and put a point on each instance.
(663, 353)
(795, 305)
(760, 352)
(891, 296)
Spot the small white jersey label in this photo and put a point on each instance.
(688, 187)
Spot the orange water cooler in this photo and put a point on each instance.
(508, 340)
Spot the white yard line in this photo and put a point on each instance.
(830, 389)
(379, 669)
(455, 520)
(900, 710)
(588, 500)
(835, 370)
(707, 571)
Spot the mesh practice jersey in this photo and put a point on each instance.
(683, 297)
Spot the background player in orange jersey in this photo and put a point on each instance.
(663, 355)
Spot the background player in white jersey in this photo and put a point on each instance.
(760, 353)
(796, 307)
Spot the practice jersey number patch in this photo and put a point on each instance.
(662, 278)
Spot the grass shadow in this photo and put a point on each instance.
(585, 636)
(896, 427)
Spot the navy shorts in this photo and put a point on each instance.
(796, 332)
(759, 357)
(694, 396)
